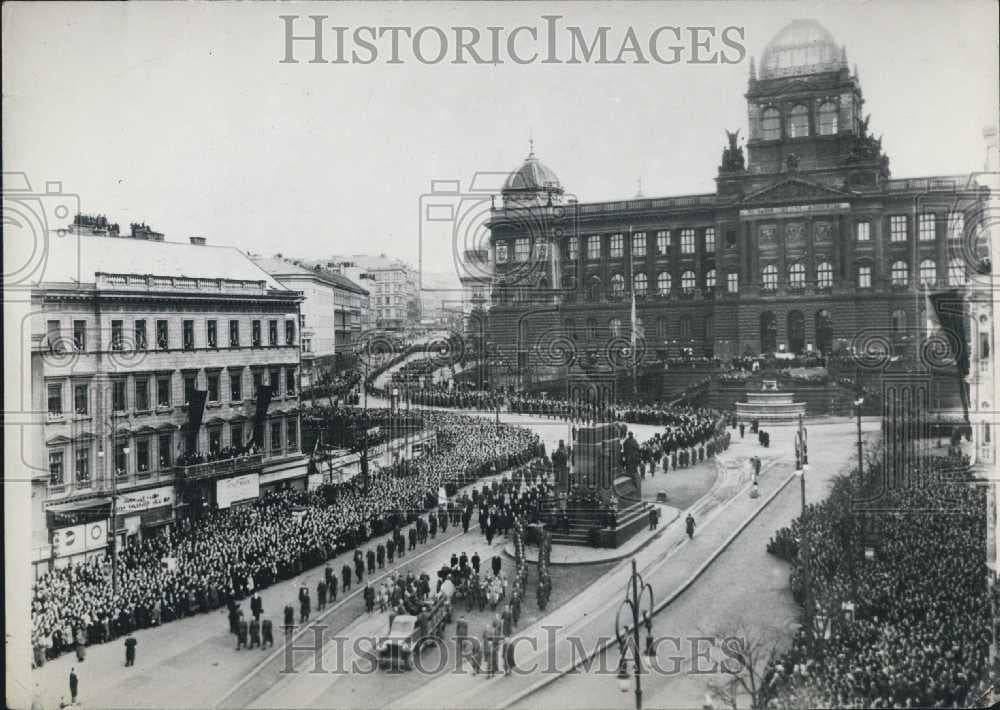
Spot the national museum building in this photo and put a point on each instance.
(807, 243)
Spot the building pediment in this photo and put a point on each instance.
(795, 189)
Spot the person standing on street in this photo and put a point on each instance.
(130, 644)
(74, 684)
(689, 526)
(256, 605)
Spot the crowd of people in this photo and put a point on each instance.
(229, 553)
(193, 458)
(908, 618)
(354, 429)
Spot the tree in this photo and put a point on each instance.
(748, 654)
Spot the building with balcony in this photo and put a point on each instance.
(125, 336)
(332, 313)
(807, 244)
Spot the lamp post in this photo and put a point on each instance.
(628, 634)
(857, 406)
(801, 467)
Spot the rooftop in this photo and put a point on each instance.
(278, 266)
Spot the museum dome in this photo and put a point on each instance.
(802, 47)
(533, 176)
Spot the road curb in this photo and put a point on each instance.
(517, 697)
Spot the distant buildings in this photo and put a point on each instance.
(395, 299)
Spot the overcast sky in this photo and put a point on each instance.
(181, 114)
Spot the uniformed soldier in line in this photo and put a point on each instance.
(305, 605)
(475, 562)
(369, 598)
(400, 547)
(380, 555)
(130, 644)
(268, 632)
(345, 576)
(331, 587)
(359, 566)
(433, 525)
(412, 535)
(321, 595)
(329, 576)
(390, 550)
(241, 635)
(289, 620)
(444, 521)
(370, 557)
(254, 633)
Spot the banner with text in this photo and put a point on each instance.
(140, 501)
(234, 490)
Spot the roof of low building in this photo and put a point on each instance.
(279, 266)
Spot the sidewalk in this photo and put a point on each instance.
(670, 565)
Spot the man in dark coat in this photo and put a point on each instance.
(345, 576)
(359, 566)
(331, 587)
(130, 644)
(380, 555)
(321, 595)
(255, 632)
(241, 634)
(370, 558)
(305, 605)
(475, 562)
(496, 565)
(329, 575)
(390, 550)
(289, 619)
(412, 535)
(267, 629)
(256, 605)
(454, 561)
(74, 684)
(400, 547)
(689, 525)
(369, 595)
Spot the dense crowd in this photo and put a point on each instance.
(920, 628)
(353, 429)
(193, 458)
(228, 553)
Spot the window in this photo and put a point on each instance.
(687, 241)
(572, 249)
(733, 282)
(663, 243)
(236, 435)
(928, 272)
(140, 334)
(897, 228)
(290, 380)
(118, 395)
(80, 335)
(80, 405)
(898, 321)
(900, 273)
(82, 466)
(927, 227)
(215, 439)
(639, 283)
(661, 328)
(189, 335)
(709, 240)
(730, 239)
(770, 124)
(685, 327)
(956, 272)
(276, 436)
(594, 247)
(213, 386)
(117, 338)
(617, 285)
(164, 445)
(142, 454)
(828, 119)
(956, 225)
(710, 279)
(163, 391)
(54, 335)
(293, 435)
(663, 283)
(258, 381)
(797, 275)
(522, 249)
(501, 253)
(770, 277)
(255, 334)
(688, 282)
(272, 333)
(274, 381)
(212, 328)
(824, 275)
(864, 277)
(615, 326)
(55, 468)
(798, 122)
(639, 245)
(190, 382)
(162, 335)
(289, 332)
(141, 393)
(864, 231)
(234, 333)
(616, 246)
(236, 385)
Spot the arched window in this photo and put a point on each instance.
(663, 283)
(928, 272)
(685, 327)
(796, 331)
(824, 275)
(956, 272)
(828, 119)
(900, 273)
(797, 275)
(594, 288)
(615, 325)
(769, 277)
(661, 328)
(770, 124)
(898, 321)
(639, 284)
(688, 281)
(710, 279)
(798, 122)
(570, 326)
(617, 285)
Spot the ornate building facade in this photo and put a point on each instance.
(807, 243)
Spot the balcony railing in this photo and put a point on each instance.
(211, 469)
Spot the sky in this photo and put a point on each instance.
(182, 115)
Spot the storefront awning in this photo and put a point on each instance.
(77, 505)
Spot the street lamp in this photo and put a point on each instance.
(857, 406)
(636, 592)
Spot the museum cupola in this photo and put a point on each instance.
(532, 184)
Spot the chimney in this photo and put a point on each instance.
(200, 241)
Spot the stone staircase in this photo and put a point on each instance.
(632, 517)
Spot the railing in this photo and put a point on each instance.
(210, 469)
(150, 282)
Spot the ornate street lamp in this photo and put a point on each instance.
(627, 634)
